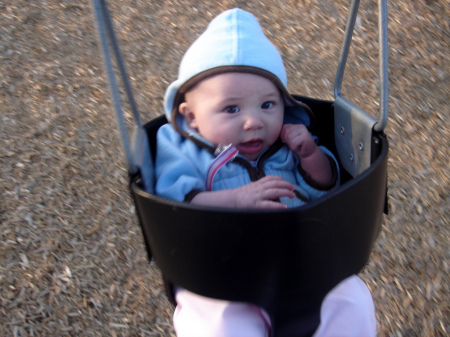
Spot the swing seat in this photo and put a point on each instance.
(283, 261)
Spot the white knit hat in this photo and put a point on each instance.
(232, 42)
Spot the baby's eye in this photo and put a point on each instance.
(232, 109)
(266, 105)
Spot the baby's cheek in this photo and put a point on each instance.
(222, 136)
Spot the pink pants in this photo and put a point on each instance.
(347, 310)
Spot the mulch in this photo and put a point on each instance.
(72, 257)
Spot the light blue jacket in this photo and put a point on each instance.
(181, 169)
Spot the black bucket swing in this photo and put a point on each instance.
(286, 261)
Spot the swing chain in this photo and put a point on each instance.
(109, 42)
(383, 59)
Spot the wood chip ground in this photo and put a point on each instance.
(72, 258)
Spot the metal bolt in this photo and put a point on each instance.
(351, 157)
(361, 146)
(342, 130)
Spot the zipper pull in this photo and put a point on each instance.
(224, 153)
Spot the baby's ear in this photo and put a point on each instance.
(188, 114)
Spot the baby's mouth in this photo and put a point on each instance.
(252, 146)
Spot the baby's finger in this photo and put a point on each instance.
(275, 181)
(276, 192)
(270, 178)
(277, 187)
(285, 131)
(289, 131)
(270, 204)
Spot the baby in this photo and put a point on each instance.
(247, 111)
(238, 139)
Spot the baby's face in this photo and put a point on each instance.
(245, 110)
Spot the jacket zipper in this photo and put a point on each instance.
(257, 172)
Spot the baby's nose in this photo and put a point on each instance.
(253, 121)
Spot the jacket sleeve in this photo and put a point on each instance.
(178, 165)
(334, 171)
(314, 189)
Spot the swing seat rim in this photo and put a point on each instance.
(329, 195)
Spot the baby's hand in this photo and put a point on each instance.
(298, 139)
(312, 159)
(263, 192)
